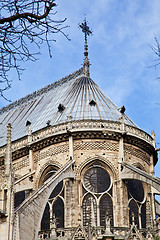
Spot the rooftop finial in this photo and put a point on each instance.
(87, 32)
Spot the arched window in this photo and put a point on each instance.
(45, 223)
(133, 209)
(136, 190)
(137, 202)
(89, 210)
(97, 190)
(47, 173)
(58, 211)
(106, 206)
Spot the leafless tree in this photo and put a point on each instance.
(156, 49)
(24, 26)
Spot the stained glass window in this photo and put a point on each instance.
(133, 208)
(106, 206)
(58, 210)
(89, 210)
(143, 215)
(97, 183)
(96, 180)
(136, 189)
(56, 190)
(136, 193)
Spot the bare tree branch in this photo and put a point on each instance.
(156, 49)
(24, 26)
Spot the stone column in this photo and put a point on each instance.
(30, 149)
(149, 216)
(122, 203)
(78, 208)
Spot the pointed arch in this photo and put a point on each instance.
(58, 211)
(49, 163)
(89, 208)
(37, 202)
(106, 206)
(133, 208)
(97, 158)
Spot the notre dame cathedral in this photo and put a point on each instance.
(73, 166)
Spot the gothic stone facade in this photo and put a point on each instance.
(74, 166)
(79, 180)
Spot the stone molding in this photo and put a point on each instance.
(97, 145)
(56, 132)
(104, 160)
(48, 163)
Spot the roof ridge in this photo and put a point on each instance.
(42, 90)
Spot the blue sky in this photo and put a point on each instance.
(119, 54)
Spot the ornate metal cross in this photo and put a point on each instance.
(85, 29)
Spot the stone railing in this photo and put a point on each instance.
(68, 233)
(44, 234)
(60, 233)
(87, 125)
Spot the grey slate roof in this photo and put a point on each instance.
(75, 95)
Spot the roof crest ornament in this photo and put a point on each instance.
(87, 32)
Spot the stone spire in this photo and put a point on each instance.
(87, 32)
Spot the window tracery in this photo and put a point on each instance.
(89, 210)
(97, 195)
(137, 205)
(54, 208)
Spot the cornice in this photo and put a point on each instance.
(94, 129)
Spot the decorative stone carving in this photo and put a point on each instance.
(134, 233)
(107, 224)
(79, 234)
(51, 152)
(53, 226)
(129, 150)
(21, 164)
(89, 145)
